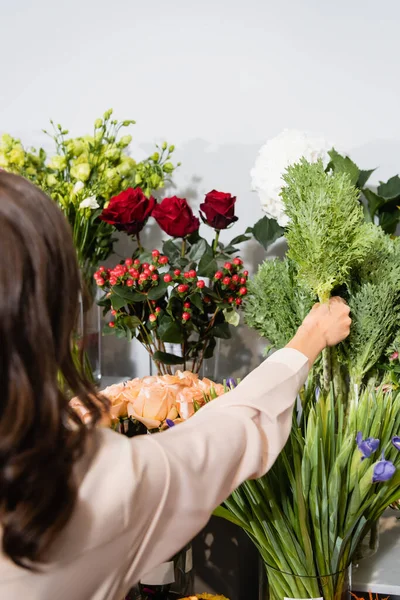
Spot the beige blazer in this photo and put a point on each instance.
(142, 499)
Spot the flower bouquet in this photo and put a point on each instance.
(341, 466)
(180, 301)
(154, 403)
(83, 174)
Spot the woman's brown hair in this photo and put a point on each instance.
(41, 437)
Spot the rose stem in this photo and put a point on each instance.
(183, 248)
(215, 242)
(139, 242)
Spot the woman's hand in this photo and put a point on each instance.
(326, 325)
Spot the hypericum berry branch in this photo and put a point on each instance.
(157, 304)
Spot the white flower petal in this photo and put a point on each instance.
(78, 187)
(90, 202)
(274, 157)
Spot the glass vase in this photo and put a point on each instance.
(208, 368)
(169, 581)
(369, 545)
(281, 585)
(89, 332)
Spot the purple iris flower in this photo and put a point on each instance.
(170, 423)
(368, 446)
(396, 441)
(231, 383)
(383, 470)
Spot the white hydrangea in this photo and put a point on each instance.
(273, 159)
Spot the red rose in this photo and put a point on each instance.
(175, 217)
(218, 209)
(129, 211)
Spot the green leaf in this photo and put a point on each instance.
(127, 294)
(117, 302)
(227, 252)
(389, 221)
(209, 292)
(207, 265)
(158, 291)
(171, 250)
(194, 237)
(197, 250)
(221, 331)
(107, 330)
(104, 301)
(169, 331)
(196, 300)
(209, 351)
(344, 164)
(224, 513)
(239, 239)
(390, 189)
(174, 305)
(231, 316)
(131, 322)
(363, 177)
(145, 256)
(266, 231)
(374, 202)
(167, 358)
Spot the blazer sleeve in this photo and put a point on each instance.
(183, 474)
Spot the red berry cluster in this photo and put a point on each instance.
(133, 274)
(232, 279)
(185, 283)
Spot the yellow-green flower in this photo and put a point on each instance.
(6, 141)
(57, 162)
(155, 180)
(77, 147)
(125, 141)
(3, 160)
(51, 180)
(126, 166)
(111, 173)
(16, 156)
(112, 154)
(168, 167)
(81, 171)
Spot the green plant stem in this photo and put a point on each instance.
(206, 342)
(139, 243)
(183, 248)
(215, 242)
(326, 355)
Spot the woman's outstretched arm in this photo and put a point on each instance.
(183, 474)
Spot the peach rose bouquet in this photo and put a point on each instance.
(155, 403)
